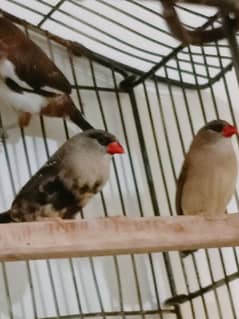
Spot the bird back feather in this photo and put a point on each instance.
(32, 65)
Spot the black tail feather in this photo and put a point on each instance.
(78, 118)
(5, 218)
(187, 252)
(176, 300)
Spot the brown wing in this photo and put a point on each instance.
(32, 65)
(180, 186)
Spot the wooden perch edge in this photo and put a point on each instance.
(115, 235)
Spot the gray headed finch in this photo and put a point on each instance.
(208, 177)
(69, 179)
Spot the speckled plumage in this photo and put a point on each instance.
(69, 179)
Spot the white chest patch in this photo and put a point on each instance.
(91, 169)
(26, 102)
(87, 170)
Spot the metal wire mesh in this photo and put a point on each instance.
(155, 121)
(125, 30)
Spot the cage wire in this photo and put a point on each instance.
(132, 77)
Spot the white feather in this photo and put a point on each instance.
(26, 102)
(7, 70)
(50, 89)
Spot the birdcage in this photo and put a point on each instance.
(141, 70)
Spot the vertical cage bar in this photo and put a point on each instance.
(215, 106)
(231, 37)
(121, 198)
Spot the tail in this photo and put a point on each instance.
(78, 118)
(5, 218)
(176, 300)
(63, 106)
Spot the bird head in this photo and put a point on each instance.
(221, 128)
(105, 141)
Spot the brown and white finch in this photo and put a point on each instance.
(208, 177)
(69, 179)
(30, 82)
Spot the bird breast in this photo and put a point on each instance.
(86, 174)
(210, 180)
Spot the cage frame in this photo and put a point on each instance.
(116, 67)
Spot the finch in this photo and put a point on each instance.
(30, 82)
(70, 178)
(208, 177)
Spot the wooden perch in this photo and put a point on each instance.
(115, 235)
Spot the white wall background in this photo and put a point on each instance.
(17, 296)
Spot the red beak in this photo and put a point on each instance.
(115, 148)
(229, 130)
